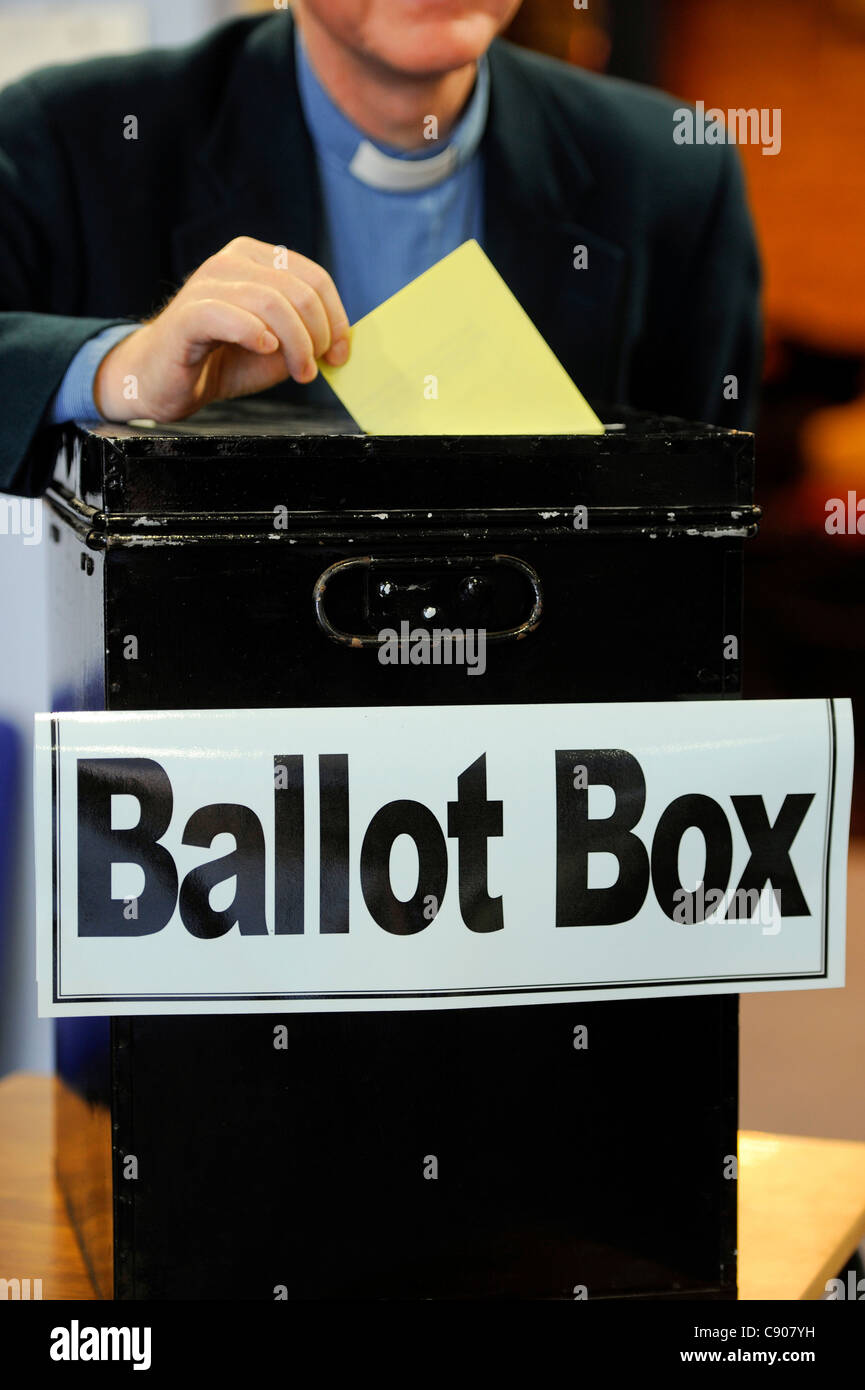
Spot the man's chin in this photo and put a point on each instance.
(431, 49)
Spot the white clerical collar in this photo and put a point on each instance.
(337, 137)
(371, 165)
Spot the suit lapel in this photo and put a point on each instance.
(256, 176)
(538, 188)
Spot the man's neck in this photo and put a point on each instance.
(387, 105)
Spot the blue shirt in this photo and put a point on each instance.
(376, 240)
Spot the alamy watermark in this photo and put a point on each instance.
(77, 1343)
(716, 905)
(21, 516)
(24, 1289)
(845, 518)
(437, 646)
(837, 1292)
(737, 126)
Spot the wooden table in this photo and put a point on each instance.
(801, 1205)
(36, 1239)
(801, 1212)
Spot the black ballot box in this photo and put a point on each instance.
(254, 553)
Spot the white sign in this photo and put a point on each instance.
(239, 861)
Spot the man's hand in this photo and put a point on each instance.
(245, 320)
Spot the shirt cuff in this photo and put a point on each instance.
(73, 399)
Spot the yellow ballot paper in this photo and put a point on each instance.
(455, 353)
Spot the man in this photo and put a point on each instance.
(180, 226)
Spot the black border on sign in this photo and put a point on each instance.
(492, 990)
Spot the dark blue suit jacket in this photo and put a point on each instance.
(95, 229)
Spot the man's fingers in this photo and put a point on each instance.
(262, 299)
(291, 309)
(204, 323)
(280, 265)
(277, 314)
(321, 282)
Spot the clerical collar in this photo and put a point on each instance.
(381, 166)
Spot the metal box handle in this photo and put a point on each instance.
(468, 562)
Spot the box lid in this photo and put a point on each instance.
(230, 467)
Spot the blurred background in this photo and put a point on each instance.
(805, 588)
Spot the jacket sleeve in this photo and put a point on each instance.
(40, 270)
(704, 359)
